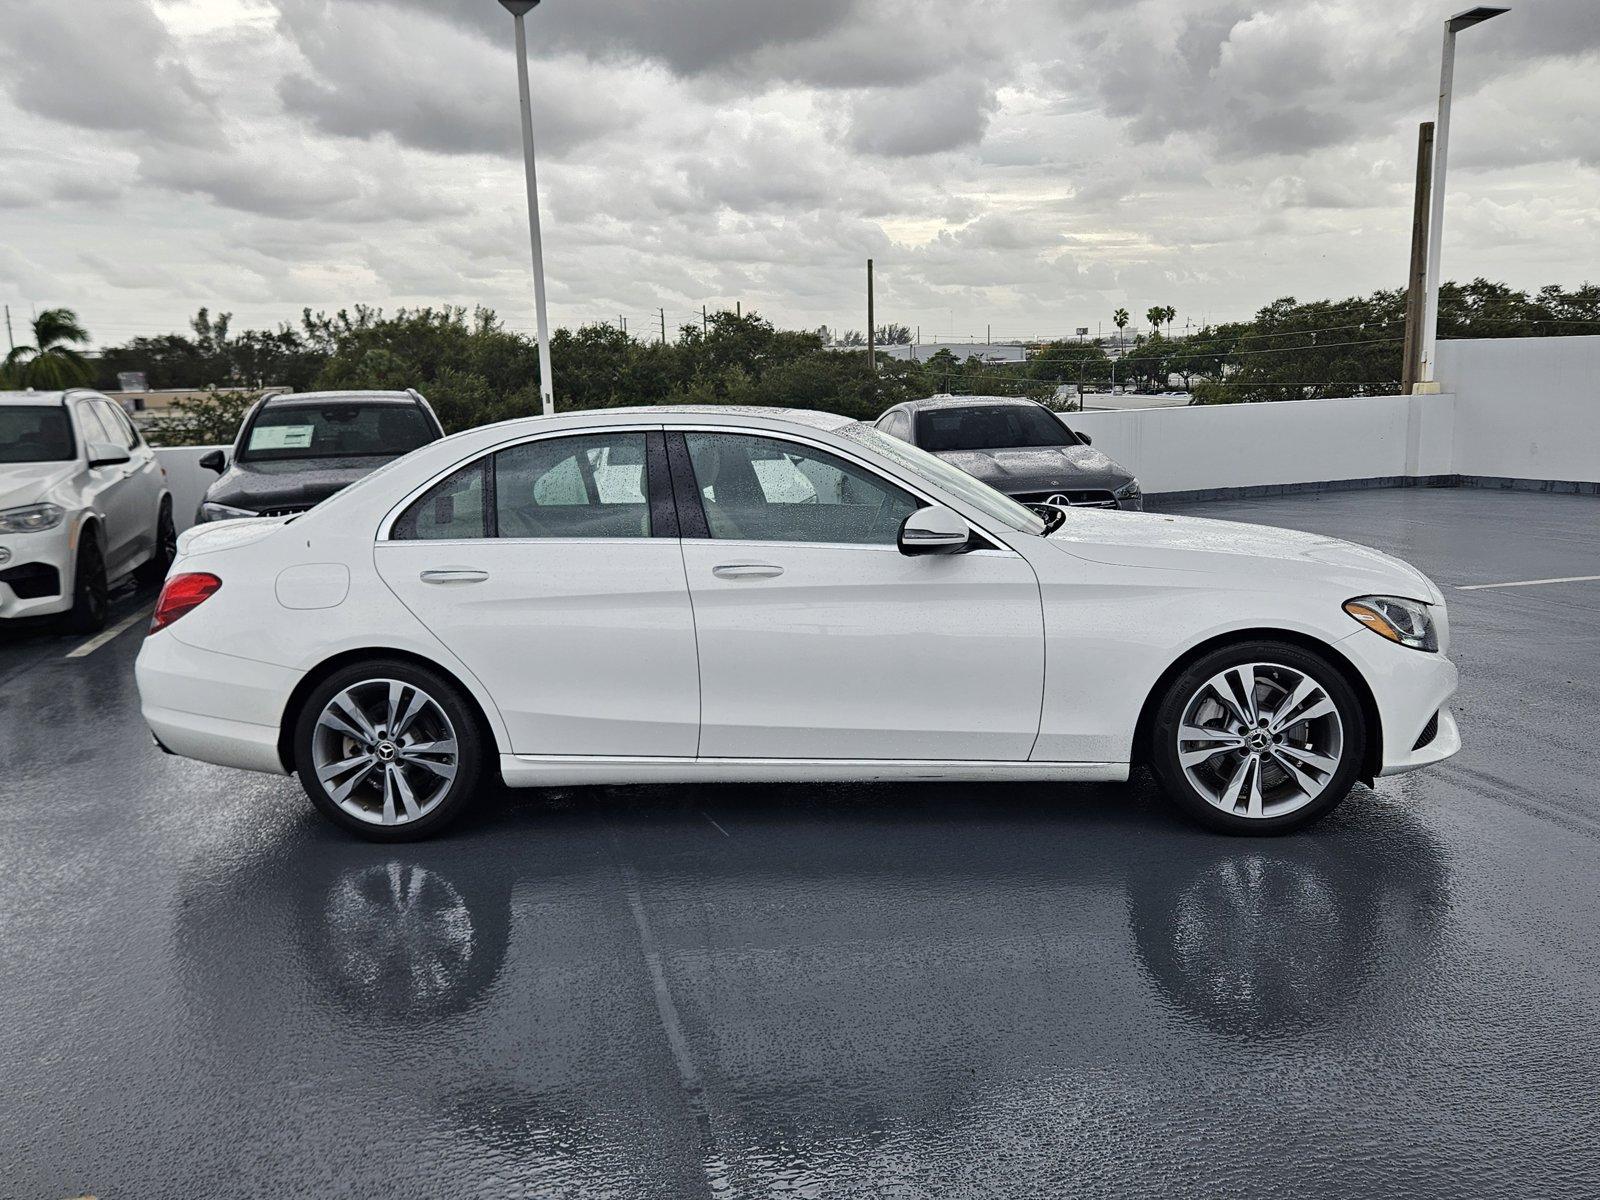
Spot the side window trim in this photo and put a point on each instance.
(658, 486)
(691, 512)
(486, 457)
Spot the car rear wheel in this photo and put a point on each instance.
(155, 570)
(1262, 737)
(388, 750)
(90, 589)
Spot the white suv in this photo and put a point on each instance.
(83, 501)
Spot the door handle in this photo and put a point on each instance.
(747, 570)
(455, 575)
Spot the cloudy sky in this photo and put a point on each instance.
(1023, 164)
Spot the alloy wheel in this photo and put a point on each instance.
(385, 751)
(1260, 740)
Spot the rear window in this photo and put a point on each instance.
(336, 431)
(990, 428)
(32, 433)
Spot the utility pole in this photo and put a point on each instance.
(519, 9)
(705, 321)
(1417, 279)
(872, 330)
(988, 335)
(663, 326)
(738, 309)
(10, 341)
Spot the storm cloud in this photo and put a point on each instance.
(1025, 165)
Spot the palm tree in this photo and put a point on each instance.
(1170, 314)
(50, 362)
(1120, 320)
(1155, 316)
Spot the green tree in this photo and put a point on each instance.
(211, 419)
(1120, 320)
(52, 361)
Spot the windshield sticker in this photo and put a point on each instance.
(281, 437)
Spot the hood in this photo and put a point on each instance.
(1039, 468)
(227, 535)
(1203, 544)
(297, 483)
(29, 483)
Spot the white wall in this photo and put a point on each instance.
(1526, 408)
(186, 480)
(1299, 441)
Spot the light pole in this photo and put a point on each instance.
(519, 9)
(1441, 149)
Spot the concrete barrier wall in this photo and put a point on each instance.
(1289, 442)
(1526, 408)
(186, 479)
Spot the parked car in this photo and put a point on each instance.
(1018, 447)
(705, 594)
(83, 501)
(294, 450)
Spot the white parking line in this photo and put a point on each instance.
(1480, 587)
(100, 639)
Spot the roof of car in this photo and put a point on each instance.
(965, 402)
(43, 398)
(722, 412)
(292, 399)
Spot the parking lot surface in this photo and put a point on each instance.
(934, 990)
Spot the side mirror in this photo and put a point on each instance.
(934, 530)
(1084, 438)
(104, 454)
(214, 460)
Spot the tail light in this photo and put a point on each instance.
(181, 594)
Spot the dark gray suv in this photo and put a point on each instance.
(298, 448)
(1018, 447)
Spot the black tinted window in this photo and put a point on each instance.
(335, 431)
(33, 433)
(575, 487)
(769, 490)
(990, 428)
(451, 509)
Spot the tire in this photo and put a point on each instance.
(90, 588)
(1284, 738)
(370, 722)
(151, 573)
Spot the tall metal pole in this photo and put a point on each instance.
(872, 329)
(518, 9)
(1417, 277)
(1441, 153)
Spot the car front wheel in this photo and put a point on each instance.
(388, 750)
(1261, 737)
(90, 588)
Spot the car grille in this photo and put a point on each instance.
(1429, 732)
(32, 581)
(1077, 498)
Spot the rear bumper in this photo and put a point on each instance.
(213, 707)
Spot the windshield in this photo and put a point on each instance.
(958, 483)
(992, 427)
(31, 433)
(335, 431)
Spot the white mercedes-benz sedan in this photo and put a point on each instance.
(720, 594)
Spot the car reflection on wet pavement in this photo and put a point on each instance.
(822, 991)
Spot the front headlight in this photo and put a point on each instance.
(1128, 490)
(223, 512)
(1400, 620)
(31, 518)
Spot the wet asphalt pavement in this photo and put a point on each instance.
(950, 990)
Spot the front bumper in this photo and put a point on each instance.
(25, 554)
(1410, 688)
